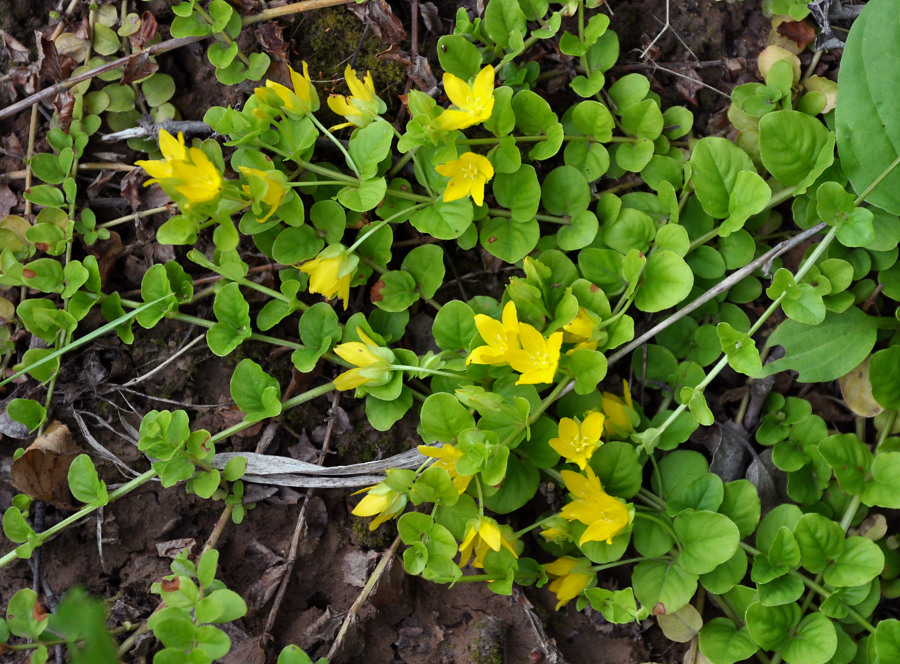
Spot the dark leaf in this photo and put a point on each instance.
(137, 68)
(379, 16)
(264, 588)
(42, 471)
(8, 200)
(52, 65)
(64, 105)
(99, 182)
(13, 146)
(690, 86)
(270, 37)
(17, 52)
(147, 31)
(431, 18)
(173, 547)
(130, 188)
(800, 32)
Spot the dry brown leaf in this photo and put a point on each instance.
(42, 472)
(265, 587)
(52, 64)
(799, 32)
(146, 33)
(137, 68)
(173, 547)
(8, 199)
(857, 391)
(379, 16)
(269, 35)
(690, 86)
(16, 50)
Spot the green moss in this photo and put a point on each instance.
(327, 41)
(378, 539)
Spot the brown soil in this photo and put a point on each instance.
(406, 619)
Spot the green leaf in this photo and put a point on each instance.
(426, 265)
(509, 240)
(770, 626)
(443, 417)
(750, 195)
(593, 119)
(795, 147)
(642, 120)
(369, 146)
(860, 561)
(883, 487)
(663, 582)
(20, 615)
(884, 374)
(588, 367)
(382, 415)
(740, 503)
(502, 18)
(444, 221)
(293, 655)
(740, 349)
(84, 482)
(365, 196)
(813, 642)
(233, 316)
(667, 280)
(155, 285)
(632, 157)
(395, 291)
(868, 139)
(708, 539)
(723, 643)
(254, 391)
(519, 485)
(618, 468)
(28, 412)
(454, 326)
(565, 191)
(824, 352)
(715, 164)
(459, 56)
(158, 89)
(15, 527)
(887, 640)
(819, 539)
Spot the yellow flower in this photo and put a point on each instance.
(499, 337)
(604, 516)
(446, 458)
(483, 534)
(382, 500)
(580, 330)
(537, 358)
(578, 442)
(331, 272)
(468, 175)
(185, 171)
(619, 415)
(301, 100)
(573, 576)
(362, 106)
(475, 103)
(274, 192)
(372, 363)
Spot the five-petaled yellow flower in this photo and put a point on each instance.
(361, 106)
(301, 100)
(473, 104)
(185, 171)
(446, 458)
(331, 272)
(572, 577)
(483, 534)
(578, 442)
(499, 337)
(537, 358)
(604, 515)
(274, 188)
(371, 362)
(468, 175)
(382, 500)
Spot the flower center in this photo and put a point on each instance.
(470, 171)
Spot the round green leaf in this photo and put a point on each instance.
(708, 539)
(795, 147)
(667, 281)
(814, 641)
(723, 643)
(509, 240)
(663, 582)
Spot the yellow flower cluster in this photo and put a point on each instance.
(519, 345)
(447, 456)
(572, 577)
(269, 185)
(185, 172)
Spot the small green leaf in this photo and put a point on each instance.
(233, 316)
(708, 539)
(254, 391)
(84, 482)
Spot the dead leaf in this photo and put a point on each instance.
(42, 472)
(173, 547)
(137, 68)
(857, 391)
(874, 527)
(431, 18)
(269, 35)
(379, 16)
(53, 65)
(98, 183)
(316, 518)
(326, 626)
(690, 86)
(16, 50)
(799, 32)
(130, 188)
(356, 567)
(13, 146)
(64, 105)
(265, 587)
(146, 33)
(419, 71)
(73, 46)
(246, 652)
(682, 625)
(8, 199)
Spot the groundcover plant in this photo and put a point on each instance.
(633, 245)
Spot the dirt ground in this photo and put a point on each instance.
(405, 619)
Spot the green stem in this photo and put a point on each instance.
(373, 228)
(878, 180)
(536, 524)
(340, 146)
